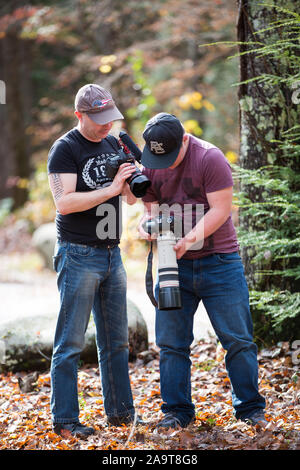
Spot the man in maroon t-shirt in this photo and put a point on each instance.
(189, 174)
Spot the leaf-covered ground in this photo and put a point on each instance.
(25, 421)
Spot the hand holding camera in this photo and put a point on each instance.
(124, 172)
(145, 234)
(138, 182)
(185, 243)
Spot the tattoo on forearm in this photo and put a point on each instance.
(58, 188)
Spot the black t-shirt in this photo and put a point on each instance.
(73, 153)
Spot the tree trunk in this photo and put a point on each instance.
(265, 112)
(15, 115)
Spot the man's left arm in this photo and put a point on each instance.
(220, 203)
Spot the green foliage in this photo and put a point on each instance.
(275, 315)
(147, 101)
(276, 218)
(275, 241)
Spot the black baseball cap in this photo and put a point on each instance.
(163, 135)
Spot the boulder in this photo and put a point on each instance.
(26, 342)
(44, 239)
(137, 331)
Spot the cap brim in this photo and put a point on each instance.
(105, 116)
(158, 162)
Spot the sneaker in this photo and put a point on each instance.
(76, 429)
(127, 419)
(258, 417)
(170, 421)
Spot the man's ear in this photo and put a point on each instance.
(78, 114)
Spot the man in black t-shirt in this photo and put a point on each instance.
(87, 260)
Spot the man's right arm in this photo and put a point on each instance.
(68, 200)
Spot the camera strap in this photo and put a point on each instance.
(113, 142)
(149, 278)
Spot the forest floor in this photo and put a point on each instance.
(25, 421)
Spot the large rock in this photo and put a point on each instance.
(44, 239)
(137, 331)
(26, 343)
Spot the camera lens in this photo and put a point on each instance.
(169, 297)
(139, 185)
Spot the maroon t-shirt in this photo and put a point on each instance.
(203, 170)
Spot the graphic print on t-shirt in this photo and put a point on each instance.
(94, 172)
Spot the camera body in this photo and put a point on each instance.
(138, 182)
(169, 297)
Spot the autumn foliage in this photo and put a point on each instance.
(25, 421)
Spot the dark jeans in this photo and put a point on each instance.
(218, 280)
(90, 279)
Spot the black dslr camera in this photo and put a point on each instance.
(138, 182)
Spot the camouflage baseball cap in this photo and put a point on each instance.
(97, 103)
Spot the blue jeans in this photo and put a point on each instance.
(218, 280)
(90, 279)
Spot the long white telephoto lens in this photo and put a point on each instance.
(169, 293)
